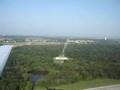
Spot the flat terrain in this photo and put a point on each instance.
(111, 87)
(81, 85)
(90, 65)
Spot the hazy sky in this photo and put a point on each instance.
(84, 18)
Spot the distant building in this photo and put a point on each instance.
(60, 59)
(35, 40)
(105, 38)
(81, 41)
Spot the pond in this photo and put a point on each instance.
(35, 78)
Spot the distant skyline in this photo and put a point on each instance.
(80, 18)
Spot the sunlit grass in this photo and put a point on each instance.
(84, 84)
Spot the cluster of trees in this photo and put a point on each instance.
(90, 61)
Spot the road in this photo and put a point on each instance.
(112, 87)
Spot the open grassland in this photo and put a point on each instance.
(84, 84)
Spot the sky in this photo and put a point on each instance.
(81, 18)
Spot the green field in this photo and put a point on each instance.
(84, 84)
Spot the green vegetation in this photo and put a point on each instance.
(84, 84)
(87, 63)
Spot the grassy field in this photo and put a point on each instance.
(84, 84)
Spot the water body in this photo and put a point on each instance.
(35, 78)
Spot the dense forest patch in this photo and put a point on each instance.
(90, 61)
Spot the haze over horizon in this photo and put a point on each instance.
(84, 18)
